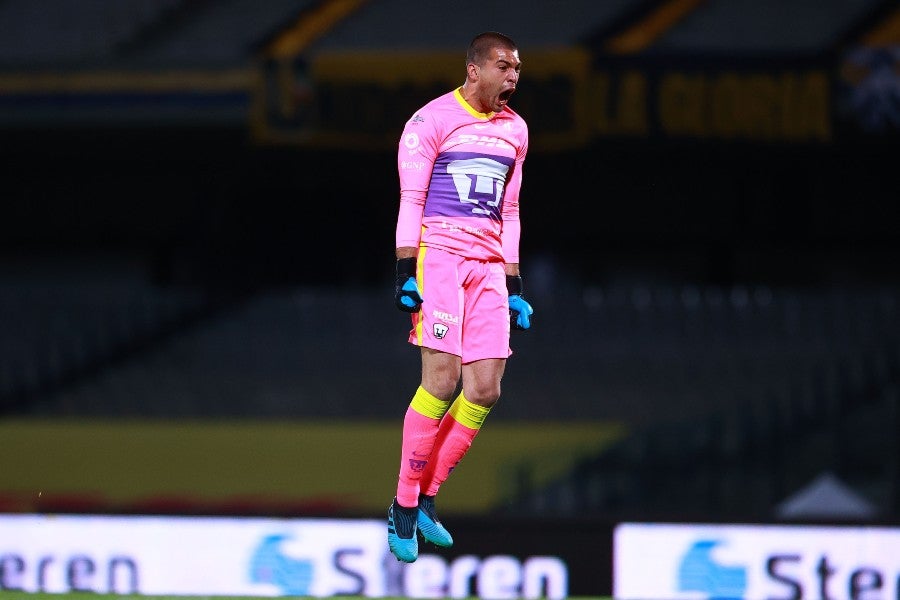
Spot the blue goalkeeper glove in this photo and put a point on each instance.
(406, 291)
(519, 310)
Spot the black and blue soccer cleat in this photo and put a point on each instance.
(402, 539)
(430, 526)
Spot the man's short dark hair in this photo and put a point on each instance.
(483, 43)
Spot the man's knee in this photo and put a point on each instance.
(440, 374)
(481, 381)
(483, 394)
(440, 386)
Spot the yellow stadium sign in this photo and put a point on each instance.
(729, 105)
(567, 97)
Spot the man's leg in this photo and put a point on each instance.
(440, 372)
(420, 427)
(457, 430)
(440, 376)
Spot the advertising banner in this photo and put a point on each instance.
(207, 556)
(669, 561)
(261, 557)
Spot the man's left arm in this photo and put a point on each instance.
(520, 310)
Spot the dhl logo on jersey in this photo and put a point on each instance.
(481, 140)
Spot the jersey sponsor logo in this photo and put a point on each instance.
(411, 140)
(445, 316)
(452, 227)
(488, 141)
(412, 165)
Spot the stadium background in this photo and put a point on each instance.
(196, 258)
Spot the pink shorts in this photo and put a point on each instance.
(465, 308)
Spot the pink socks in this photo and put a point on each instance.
(434, 440)
(458, 428)
(420, 428)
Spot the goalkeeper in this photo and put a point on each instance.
(457, 247)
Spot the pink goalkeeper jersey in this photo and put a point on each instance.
(460, 174)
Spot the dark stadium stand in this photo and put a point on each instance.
(164, 33)
(768, 27)
(175, 240)
(737, 396)
(63, 324)
(224, 34)
(58, 34)
(639, 354)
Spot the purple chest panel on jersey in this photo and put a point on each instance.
(467, 184)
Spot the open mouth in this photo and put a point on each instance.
(505, 95)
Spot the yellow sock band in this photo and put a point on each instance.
(468, 414)
(428, 405)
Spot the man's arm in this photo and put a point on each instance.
(520, 310)
(406, 291)
(407, 252)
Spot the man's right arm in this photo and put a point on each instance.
(409, 228)
(413, 191)
(407, 296)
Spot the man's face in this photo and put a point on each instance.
(497, 78)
